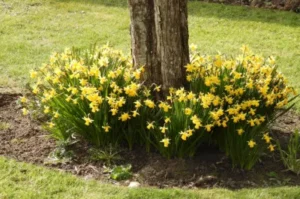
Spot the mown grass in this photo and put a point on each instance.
(20, 180)
(31, 30)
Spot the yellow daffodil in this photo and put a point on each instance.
(242, 116)
(245, 49)
(103, 62)
(251, 122)
(147, 92)
(188, 111)
(35, 90)
(33, 74)
(193, 47)
(267, 138)
(214, 115)
(163, 129)
(164, 106)
(251, 143)
(83, 82)
(184, 135)
(106, 128)
(131, 90)
(150, 125)
(240, 131)
(235, 119)
(124, 117)
(191, 96)
(46, 109)
(138, 104)
(157, 88)
(25, 111)
(56, 114)
(135, 113)
(121, 102)
(208, 127)
(167, 120)
(229, 100)
(51, 124)
(237, 75)
(23, 99)
(149, 103)
(196, 121)
(166, 142)
(68, 99)
(249, 84)
(87, 120)
(114, 111)
(190, 132)
(271, 147)
(224, 123)
(252, 111)
(137, 74)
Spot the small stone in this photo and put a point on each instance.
(204, 180)
(134, 184)
(88, 177)
(127, 182)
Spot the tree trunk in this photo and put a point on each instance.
(159, 40)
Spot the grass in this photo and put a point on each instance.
(20, 180)
(28, 36)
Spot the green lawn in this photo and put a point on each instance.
(19, 180)
(31, 30)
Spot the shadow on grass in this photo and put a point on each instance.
(238, 13)
(243, 13)
(113, 3)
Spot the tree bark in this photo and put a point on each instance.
(159, 40)
(143, 40)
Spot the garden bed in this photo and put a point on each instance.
(25, 140)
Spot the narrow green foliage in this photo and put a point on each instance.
(97, 94)
(291, 156)
(108, 154)
(241, 95)
(180, 130)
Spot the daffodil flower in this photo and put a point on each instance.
(251, 143)
(166, 142)
(87, 120)
(150, 125)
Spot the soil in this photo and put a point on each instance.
(25, 140)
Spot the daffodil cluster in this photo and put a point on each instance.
(99, 95)
(241, 95)
(96, 94)
(183, 125)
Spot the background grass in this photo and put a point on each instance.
(19, 180)
(31, 30)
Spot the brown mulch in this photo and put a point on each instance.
(25, 140)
